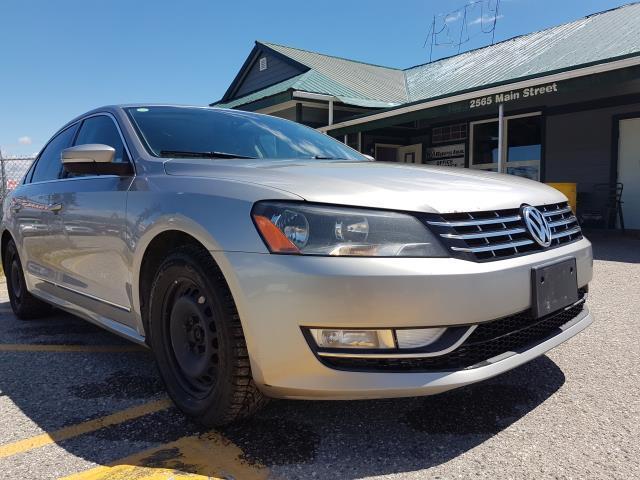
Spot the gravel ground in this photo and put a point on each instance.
(574, 413)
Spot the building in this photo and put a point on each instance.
(558, 105)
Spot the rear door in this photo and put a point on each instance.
(33, 211)
(93, 269)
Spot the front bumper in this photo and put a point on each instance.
(276, 295)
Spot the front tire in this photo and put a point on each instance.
(198, 342)
(24, 305)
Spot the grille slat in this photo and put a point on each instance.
(565, 233)
(564, 221)
(481, 234)
(551, 212)
(498, 234)
(473, 223)
(493, 247)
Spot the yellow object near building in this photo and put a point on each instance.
(569, 189)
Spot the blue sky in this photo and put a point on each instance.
(61, 58)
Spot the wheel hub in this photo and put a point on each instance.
(191, 338)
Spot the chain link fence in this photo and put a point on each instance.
(12, 171)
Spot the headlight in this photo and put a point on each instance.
(307, 229)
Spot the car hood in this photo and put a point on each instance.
(394, 186)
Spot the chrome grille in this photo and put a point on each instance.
(497, 234)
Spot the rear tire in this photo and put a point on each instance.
(198, 342)
(24, 305)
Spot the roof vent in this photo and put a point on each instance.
(263, 63)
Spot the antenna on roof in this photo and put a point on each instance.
(475, 18)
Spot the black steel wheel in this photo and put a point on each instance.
(197, 340)
(24, 305)
(193, 336)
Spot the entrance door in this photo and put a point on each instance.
(629, 170)
(410, 154)
(521, 145)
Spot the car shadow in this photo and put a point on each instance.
(395, 435)
(293, 438)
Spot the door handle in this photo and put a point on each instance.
(55, 208)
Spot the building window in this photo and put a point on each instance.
(449, 133)
(263, 63)
(522, 145)
(484, 151)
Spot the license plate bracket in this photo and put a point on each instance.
(554, 286)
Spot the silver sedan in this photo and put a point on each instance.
(259, 258)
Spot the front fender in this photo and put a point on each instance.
(217, 213)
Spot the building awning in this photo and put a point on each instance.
(605, 73)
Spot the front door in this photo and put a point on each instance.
(93, 267)
(629, 170)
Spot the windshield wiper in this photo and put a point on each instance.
(188, 154)
(323, 157)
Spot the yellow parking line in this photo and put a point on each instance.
(82, 428)
(20, 347)
(194, 458)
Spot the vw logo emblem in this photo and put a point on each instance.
(537, 225)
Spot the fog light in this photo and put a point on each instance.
(418, 337)
(337, 338)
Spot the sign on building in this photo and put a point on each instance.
(446, 155)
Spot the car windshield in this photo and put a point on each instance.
(216, 133)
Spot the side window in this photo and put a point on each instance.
(101, 129)
(49, 164)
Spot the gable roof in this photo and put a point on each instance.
(598, 38)
(352, 82)
(369, 81)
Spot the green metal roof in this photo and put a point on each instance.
(598, 38)
(366, 80)
(312, 82)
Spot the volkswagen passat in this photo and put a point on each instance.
(259, 258)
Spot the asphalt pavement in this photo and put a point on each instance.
(77, 401)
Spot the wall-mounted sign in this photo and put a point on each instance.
(512, 95)
(446, 155)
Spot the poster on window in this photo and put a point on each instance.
(446, 155)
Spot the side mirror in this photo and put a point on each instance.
(94, 158)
